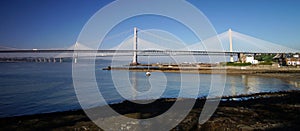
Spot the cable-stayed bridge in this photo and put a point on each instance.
(151, 44)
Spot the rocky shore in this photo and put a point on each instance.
(262, 111)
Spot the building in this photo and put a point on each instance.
(294, 60)
(250, 59)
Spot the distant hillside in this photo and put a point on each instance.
(6, 48)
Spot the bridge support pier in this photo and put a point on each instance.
(75, 60)
(230, 42)
(135, 47)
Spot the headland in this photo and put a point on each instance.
(208, 68)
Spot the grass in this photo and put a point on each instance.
(265, 63)
(237, 64)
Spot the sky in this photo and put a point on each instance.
(57, 23)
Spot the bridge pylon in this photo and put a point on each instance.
(135, 47)
(230, 42)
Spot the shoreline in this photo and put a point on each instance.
(211, 70)
(249, 113)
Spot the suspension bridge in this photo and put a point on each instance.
(145, 43)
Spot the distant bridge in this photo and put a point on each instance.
(234, 44)
(141, 52)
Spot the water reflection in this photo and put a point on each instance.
(295, 83)
(249, 84)
(152, 87)
(140, 83)
(21, 84)
(145, 88)
(233, 87)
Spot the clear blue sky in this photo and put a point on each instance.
(57, 23)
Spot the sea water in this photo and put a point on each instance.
(32, 88)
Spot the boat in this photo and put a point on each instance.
(148, 73)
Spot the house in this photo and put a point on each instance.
(287, 59)
(250, 59)
(293, 61)
(281, 59)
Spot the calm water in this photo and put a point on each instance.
(31, 88)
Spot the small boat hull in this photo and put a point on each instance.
(148, 73)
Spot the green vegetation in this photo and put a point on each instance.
(237, 64)
(265, 63)
(264, 57)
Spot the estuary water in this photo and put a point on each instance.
(33, 88)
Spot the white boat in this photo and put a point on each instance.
(148, 73)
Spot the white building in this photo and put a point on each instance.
(293, 61)
(250, 59)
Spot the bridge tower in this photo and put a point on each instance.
(135, 47)
(75, 55)
(230, 42)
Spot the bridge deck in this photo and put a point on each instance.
(131, 51)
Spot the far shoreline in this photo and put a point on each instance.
(211, 70)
